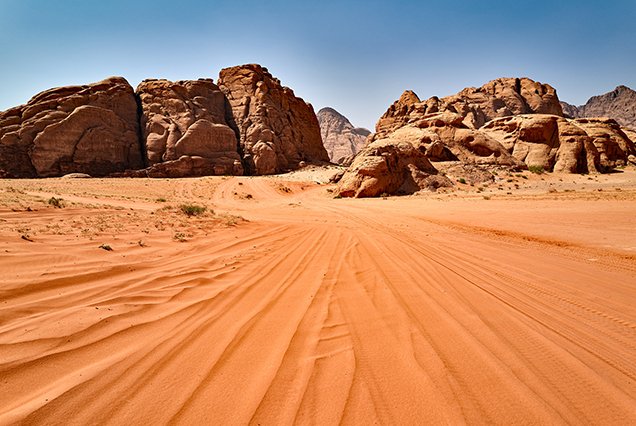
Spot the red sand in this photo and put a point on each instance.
(518, 309)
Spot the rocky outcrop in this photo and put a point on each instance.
(450, 134)
(562, 145)
(184, 129)
(341, 140)
(447, 138)
(89, 129)
(498, 98)
(619, 104)
(397, 165)
(277, 130)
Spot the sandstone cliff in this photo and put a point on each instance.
(184, 129)
(250, 125)
(86, 129)
(277, 130)
(619, 104)
(341, 140)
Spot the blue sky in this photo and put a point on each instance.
(355, 56)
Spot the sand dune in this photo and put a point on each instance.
(410, 310)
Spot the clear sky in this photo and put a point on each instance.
(355, 56)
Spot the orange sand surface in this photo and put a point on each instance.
(280, 304)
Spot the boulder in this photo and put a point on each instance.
(396, 165)
(277, 130)
(612, 142)
(90, 129)
(187, 119)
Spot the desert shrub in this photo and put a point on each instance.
(161, 200)
(192, 209)
(106, 247)
(536, 169)
(461, 180)
(56, 202)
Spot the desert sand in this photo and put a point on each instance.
(508, 304)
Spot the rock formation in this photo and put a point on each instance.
(498, 98)
(184, 129)
(619, 104)
(397, 165)
(341, 140)
(250, 125)
(89, 129)
(562, 145)
(277, 129)
(511, 123)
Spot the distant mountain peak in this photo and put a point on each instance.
(341, 140)
(619, 104)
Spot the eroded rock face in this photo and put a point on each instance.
(277, 129)
(89, 129)
(184, 129)
(397, 165)
(507, 123)
(619, 104)
(447, 138)
(498, 98)
(341, 140)
(563, 145)
(394, 164)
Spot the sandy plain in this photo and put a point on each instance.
(512, 303)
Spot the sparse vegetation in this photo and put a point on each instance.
(106, 247)
(536, 169)
(192, 209)
(161, 200)
(461, 180)
(180, 236)
(56, 202)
